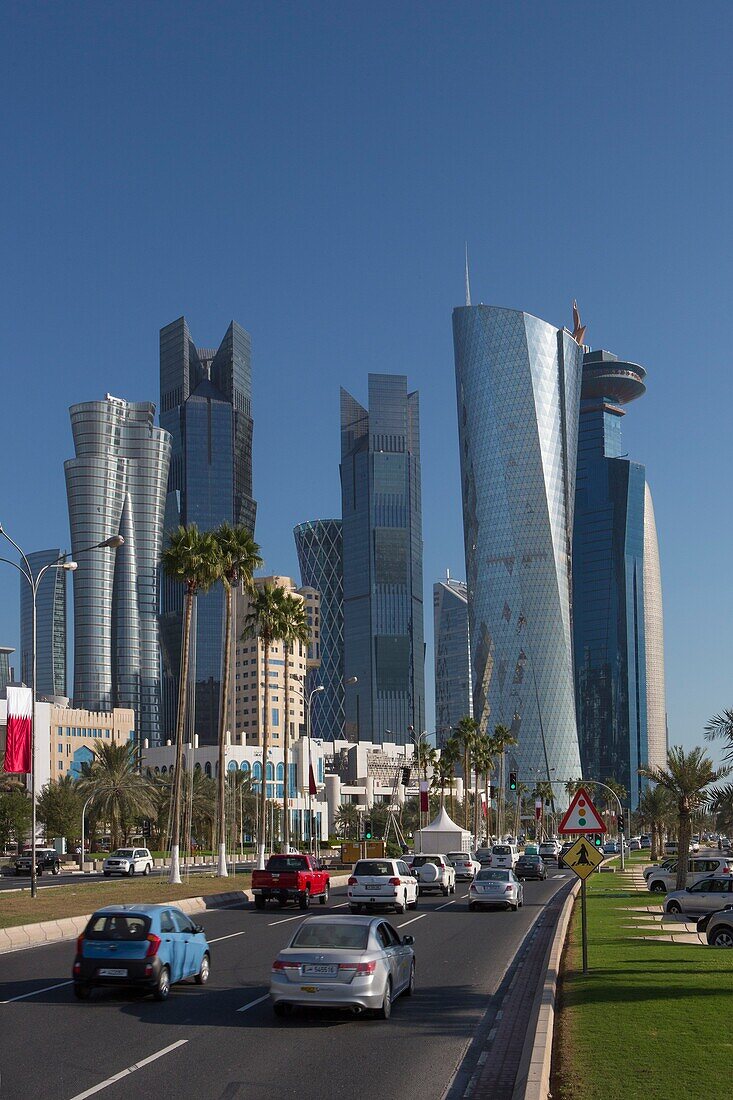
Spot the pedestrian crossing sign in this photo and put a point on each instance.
(582, 858)
(581, 815)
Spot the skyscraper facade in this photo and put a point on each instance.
(453, 699)
(206, 405)
(617, 610)
(518, 390)
(382, 562)
(50, 626)
(5, 652)
(116, 486)
(319, 546)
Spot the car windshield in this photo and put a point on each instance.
(124, 853)
(378, 867)
(117, 926)
(458, 855)
(488, 875)
(333, 935)
(501, 850)
(287, 863)
(420, 861)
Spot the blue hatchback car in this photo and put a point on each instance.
(148, 947)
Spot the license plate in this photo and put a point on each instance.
(309, 989)
(275, 878)
(111, 972)
(375, 886)
(322, 969)
(493, 886)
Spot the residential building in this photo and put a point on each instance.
(453, 697)
(50, 626)
(319, 546)
(382, 562)
(518, 391)
(116, 486)
(617, 605)
(206, 405)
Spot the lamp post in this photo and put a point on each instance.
(83, 813)
(113, 543)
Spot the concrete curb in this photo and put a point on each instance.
(68, 928)
(533, 1076)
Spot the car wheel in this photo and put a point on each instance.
(400, 906)
(56, 869)
(674, 907)
(385, 1011)
(409, 992)
(147, 869)
(305, 900)
(259, 901)
(163, 986)
(721, 937)
(205, 972)
(413, 904)
(453, 888)
(107, 874)
(445, 891)
(324, 896)
(82, 992)
(658, 887)
(131, 870)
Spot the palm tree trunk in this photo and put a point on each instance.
(261, 838)
(683, 846)
(175, 871)
(466, 786)
(452, 794)
(221, 804)
(487, 792)
(475, 809)
(286, 752)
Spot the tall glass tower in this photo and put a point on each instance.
(619, 665)
(116, 486)
(518, 390)
(206, 405)
(319, 546)
(453, 699)
(382, 562)
(50, 626)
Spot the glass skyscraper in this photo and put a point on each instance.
(453, 699)
(382, 562)
(50, 626)
(206, 405)
(518, 390)
(617, 608)
(116, 486)
(5, 652)
(319, 546)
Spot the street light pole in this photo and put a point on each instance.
(83, 812)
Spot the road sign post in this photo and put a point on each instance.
(582, 859)
(584, 926)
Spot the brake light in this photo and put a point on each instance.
(359, 968)
(77, 969)
(394, 882)
(80, 943)
(284, 964)
(472, 887)
(154, 943)
(508, 889)
(352, 881)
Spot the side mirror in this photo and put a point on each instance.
(198, 928)
(408, 941)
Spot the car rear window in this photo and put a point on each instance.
(529, 859)
(117, 926)
(373, 867)
(287, 863)
(487, 875)
(501, 850)
(420, 861)
(334, 935)
(458, 855)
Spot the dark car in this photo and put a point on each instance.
(531, 867)
(47, 859)
(563, 851)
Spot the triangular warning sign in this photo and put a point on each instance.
(581, 815)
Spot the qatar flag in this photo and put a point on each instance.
(424, 804)
(18, 743)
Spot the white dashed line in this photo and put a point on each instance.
(130, 1069)
(250, 1005)
(301, 916)
(35, 993)
(405, 923)
(229, 937)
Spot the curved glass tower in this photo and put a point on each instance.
(452, 657)
(319, 546)
(518, 389)
(117, 485)
(50, 624)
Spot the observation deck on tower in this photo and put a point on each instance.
(606, 377)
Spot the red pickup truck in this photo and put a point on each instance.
(290, 878)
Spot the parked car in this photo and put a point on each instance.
(356, 963)
(434, 872)
(287, 878)
(549, 849)
(563, 851)
(382, 882)
(465, 865)
(719, 929)
(496, 887)
(646, 841)
(670, 848)
(128, 861)
(147, 947)
(704, 896)
(530, 867)
(665, 865)
(704, 920)
(635, 844)
(699, 867)
(47, 859)
(504, 855)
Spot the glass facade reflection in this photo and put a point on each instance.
(382, 562)
(206, 405)
(319, 546)
(453, 697)
(116, 486)
(617, 589)
(5, 652)
(518, 390)
(50, 626)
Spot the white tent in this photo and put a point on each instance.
(442, 835)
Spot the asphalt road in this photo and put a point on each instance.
(222, 1040)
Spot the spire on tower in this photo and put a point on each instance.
(468, 284)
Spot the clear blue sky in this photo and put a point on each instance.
(312, 170)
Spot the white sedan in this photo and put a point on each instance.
(377, 883)
(496, 887)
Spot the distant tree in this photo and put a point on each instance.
(295, 631)
(656, 807)
(120, 793)
(15, 817)
(59, 808)
(465, 733)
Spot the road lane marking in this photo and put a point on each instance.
(130, 1069)
(286, 921)
(229, 937)
(244, 1008)
(405, 923)
(438, 907)
(35, 993)
(340, 906)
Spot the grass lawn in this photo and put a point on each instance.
(74, 901)
(649, 1020)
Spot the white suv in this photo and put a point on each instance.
(660, 880)
(382, 882)
(504, 855)
(466, 866)
(434, 872)
(128, 861)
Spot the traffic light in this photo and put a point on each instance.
(368, 833)
(597, 839)
(620, 823)
(512, 781)
(405, 777)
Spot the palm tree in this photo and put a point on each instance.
(295, 631)
(347, 820)
(572, 786)
(482, 753)
(655, 806)
(189, 558)
(686, 777)
(522, 790)
(237, 558)
(198, 795)
(465, 733)
(503, 738)
(543, 791)
(265, 621)
(121, 794)
(451, 754)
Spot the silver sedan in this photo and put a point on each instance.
(705, 896)
(355, 963)
(496, 887)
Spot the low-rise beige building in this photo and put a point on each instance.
(74, 732)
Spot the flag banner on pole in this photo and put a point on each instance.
(18, 744)
(484, 809)
(424, 805)
(312, 789)
(538, 808)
